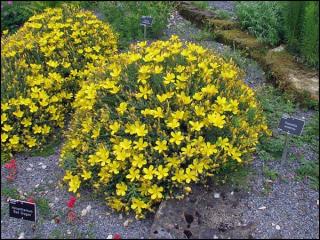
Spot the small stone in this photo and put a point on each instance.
(107, 213)
(43, 166)
(109, 236)
(40, 163)
(88, 208)
(21, 235)
(216, 195)
(318, 202)
(262, 208)
(68, 232)
(215, 237)
(29, 169)
(53, 221)
(120, 216)
(37, 185)
(126, 223)
(278, 227)
(30, 164)
(50, 182)
(84, 212)
(232, 193)
(56, 199)
(272, 224)
(51, 205)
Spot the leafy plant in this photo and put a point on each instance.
(262, 19)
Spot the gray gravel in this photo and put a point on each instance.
(99, 222)
(223, 5)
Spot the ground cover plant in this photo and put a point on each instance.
(42, 67)
(157, 119)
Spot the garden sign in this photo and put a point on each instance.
(22, 210)
(146, 21)
(290, 126)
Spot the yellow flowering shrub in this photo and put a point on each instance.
(42, 67)
(157, 119)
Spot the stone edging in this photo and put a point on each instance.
(278, 63)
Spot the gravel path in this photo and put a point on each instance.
(223, 5)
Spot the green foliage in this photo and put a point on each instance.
(9, 192)
(269, 173)
(43, 206)
(310, 170)
(46, 150)
(124, 17)
(310, 36)
(16, 14)
(302, 29)
(262, 19)
(222, 14)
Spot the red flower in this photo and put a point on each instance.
(116, 236)
(71, 202)
(30, 200)
(11, 164)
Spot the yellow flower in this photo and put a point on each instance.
(26, 122)
(138, 205)
(133, 174)
(52, 64)
(18, 113)
(149, 172)
(114, 127)
(145, 91)
(191, 175)
(37, 129)
(196, 126)
(6, 127)
(122, 108)
(216, 119)
(14, 140)
(177, 137)
(162, 172)
(140, 144)
(169, 78)
(3, 118)
(74, 184)
(156, 192)
(86, 174)
(31, 142)
(173, 123)
(138, 161)
(4, 137)
(179, 176)
(161, 146)
(121, 189)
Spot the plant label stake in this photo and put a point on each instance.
(290, 126)
(22, 210)
(145, 21)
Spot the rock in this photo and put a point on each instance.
(43, 166)
(215, 237)
(216, 195)
(68, 231)
(30, 164)
(120, 216)
(126, 223)
(21, 235)
(109, 236)
(231, 193)
(29, 169)
(40, 163)
(278, 49)
(56, 199)
(50, 182)
(262, 208)
(51, 205)
(37, 185)
(278, 227)
(318, 202)
(84, 212)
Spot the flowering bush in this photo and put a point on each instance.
(156, 120)
(42, 66)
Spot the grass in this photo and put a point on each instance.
(204, 5)
(5, 157)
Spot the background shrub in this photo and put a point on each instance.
(15, 13)
(302, 29)
(157, 119)
(263, 19)
(42, 66)
(124, 17)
